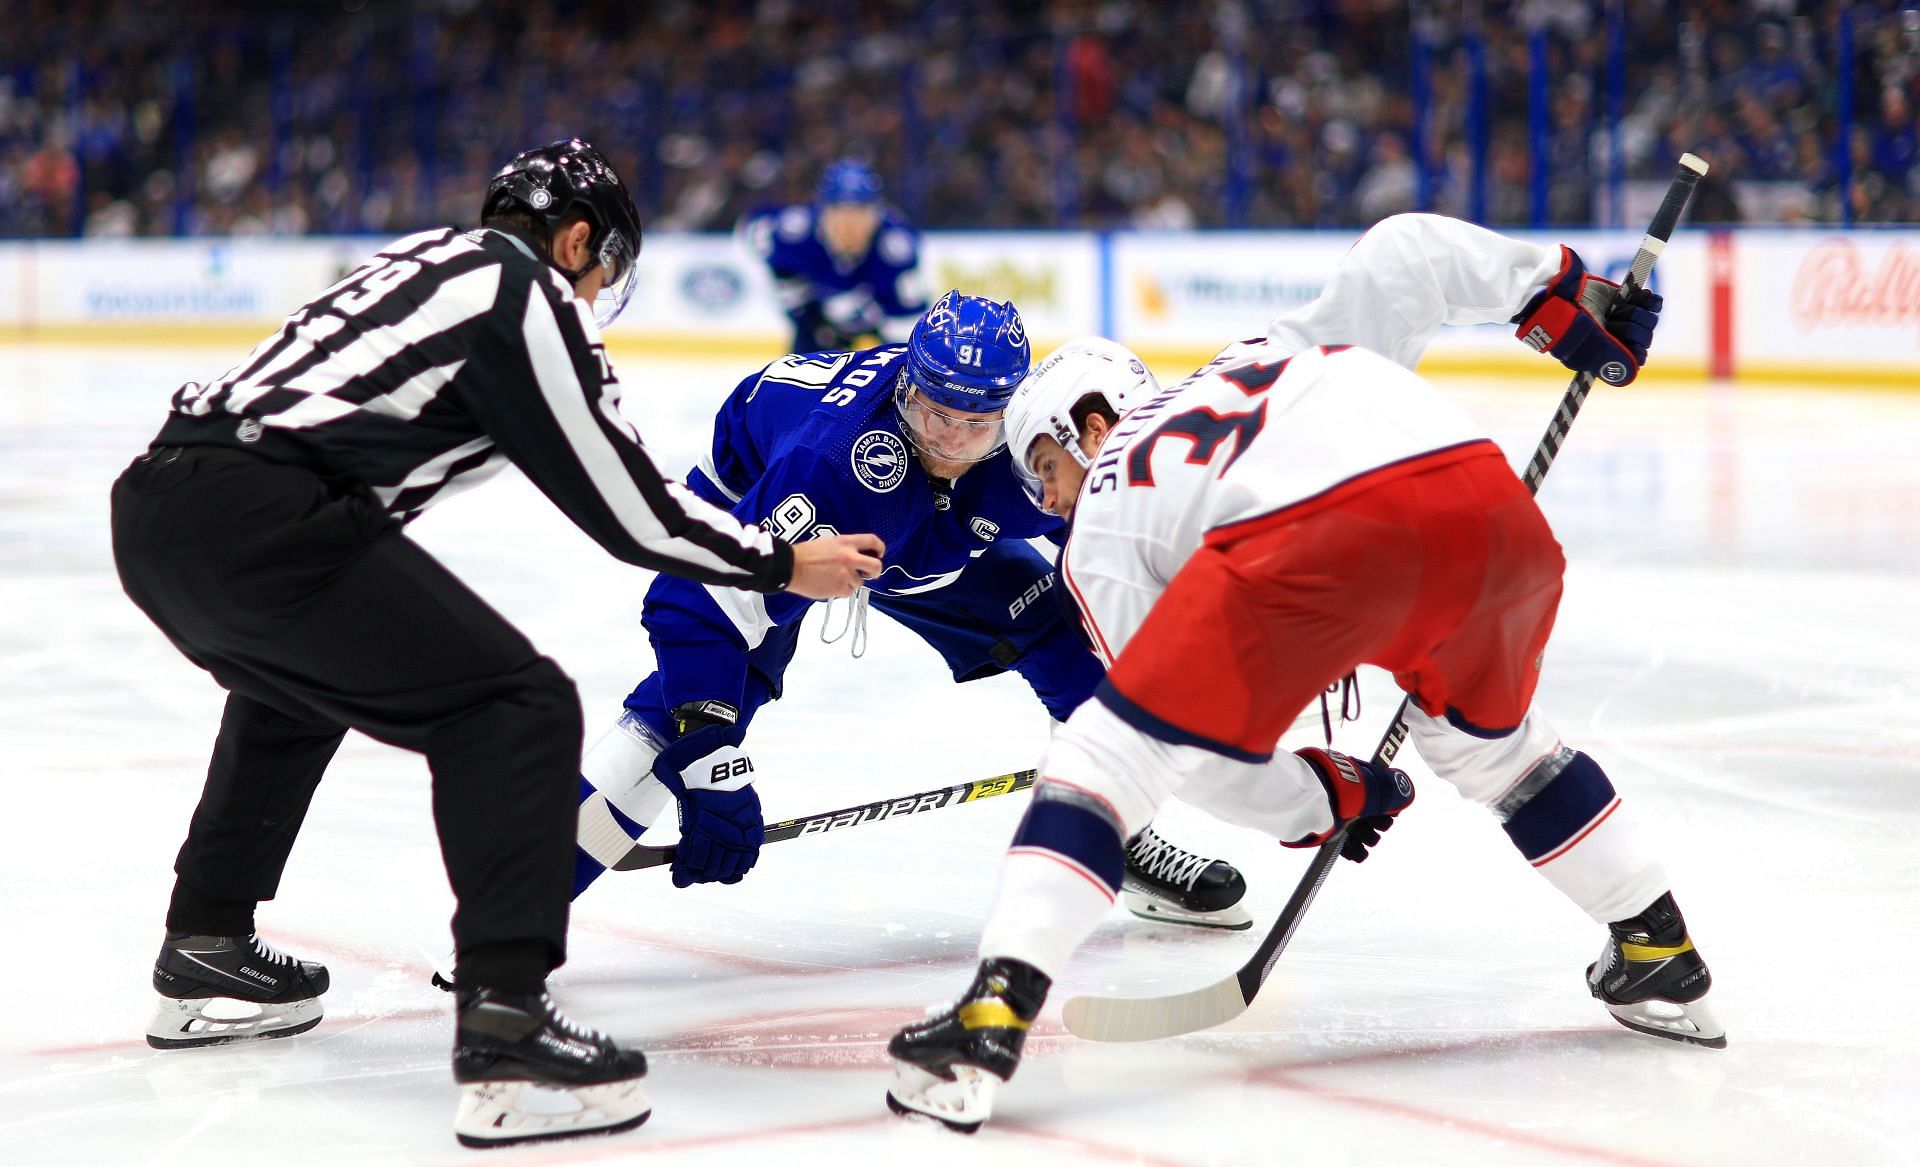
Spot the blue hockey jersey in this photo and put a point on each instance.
(811, 445)
(880, 292)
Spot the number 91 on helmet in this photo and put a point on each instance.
(569, 179)
(964, 359)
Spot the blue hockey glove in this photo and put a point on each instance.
(1361, 793)
(721, 828)
(1581, 320)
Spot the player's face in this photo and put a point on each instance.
(848, 228)
(948, 435)
(1059, 474)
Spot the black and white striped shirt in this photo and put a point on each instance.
(438, 361)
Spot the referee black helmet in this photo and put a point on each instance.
(566, 178)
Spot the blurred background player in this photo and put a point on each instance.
(262, 532)
(906, 441)
(1297, 507)
(846, 267)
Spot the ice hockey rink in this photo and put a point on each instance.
(1737, 647)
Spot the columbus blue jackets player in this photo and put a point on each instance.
(846, 266)
(902, 440)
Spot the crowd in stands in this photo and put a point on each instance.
(150, 117)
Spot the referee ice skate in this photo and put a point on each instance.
(263, 533)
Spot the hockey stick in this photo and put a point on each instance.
(642, 856)
(1146, 1018)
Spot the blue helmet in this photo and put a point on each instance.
(847, 181)
(968, 353)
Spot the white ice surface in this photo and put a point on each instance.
(1736, 646)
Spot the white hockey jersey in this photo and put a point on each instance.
(1270, 423)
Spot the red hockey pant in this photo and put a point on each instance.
(1440, 569)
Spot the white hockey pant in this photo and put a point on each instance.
(619, 767)
(1049, 901)
(1605, 865)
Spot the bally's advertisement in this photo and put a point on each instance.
(1826, 304)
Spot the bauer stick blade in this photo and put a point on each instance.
(641, 856)
(1146, 1018)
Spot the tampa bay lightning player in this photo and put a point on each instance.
(846, 266)
(902, 440)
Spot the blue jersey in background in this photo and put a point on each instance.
(833, 300)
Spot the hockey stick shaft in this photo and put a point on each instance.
(1686, 177)
(641, 856)
(1114, 1019)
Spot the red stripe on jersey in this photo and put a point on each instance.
(1570, 844)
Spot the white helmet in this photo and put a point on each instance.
(1043, 404)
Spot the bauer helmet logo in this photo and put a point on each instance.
(539, 200)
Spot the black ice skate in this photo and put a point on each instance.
(947, 1066)
(1653, 981)
(528, 1073)
(1168, 883)
(219, 989)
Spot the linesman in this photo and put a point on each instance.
(263, 532)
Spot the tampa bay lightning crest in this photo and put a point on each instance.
(879, 460)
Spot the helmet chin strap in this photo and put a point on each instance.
(573, 277)
(1079, 455)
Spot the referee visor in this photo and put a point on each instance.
(617, 260)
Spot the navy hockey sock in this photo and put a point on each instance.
(1555, 804)
(1077, 828)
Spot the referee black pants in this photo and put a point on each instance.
(307, 603)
